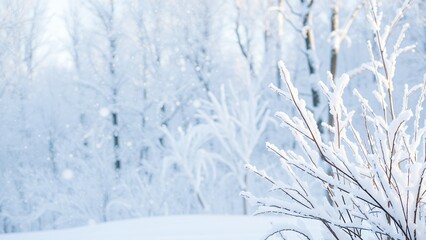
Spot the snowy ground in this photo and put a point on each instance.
(197, 227)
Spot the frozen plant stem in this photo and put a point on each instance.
(377, 188)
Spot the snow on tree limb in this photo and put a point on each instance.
(376, 189)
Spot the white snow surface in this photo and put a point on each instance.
(188, 227)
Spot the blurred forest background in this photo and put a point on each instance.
(115, 109)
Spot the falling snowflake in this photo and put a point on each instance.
(196, 103)
(67, 174)
(104, 112)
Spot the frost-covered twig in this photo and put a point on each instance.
(377, 157)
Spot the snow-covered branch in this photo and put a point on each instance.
(377, 161)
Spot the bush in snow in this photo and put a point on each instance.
(373, 165)
(190, 160)
(237, 125)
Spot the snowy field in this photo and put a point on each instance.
(196, 227)
(204, 112)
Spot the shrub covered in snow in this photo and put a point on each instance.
(371, 162)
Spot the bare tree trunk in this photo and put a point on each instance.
(201, 200)
(273, 35)
(334, 27)
(52, 154)
(245, 210)
(114, 113)
(116, 132)
(310, 57)
(105, 13)
(337, 40)
(245, 49)
(334, 50)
